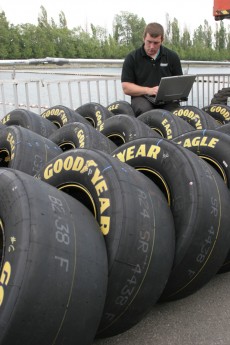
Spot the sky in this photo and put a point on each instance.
(189, 13)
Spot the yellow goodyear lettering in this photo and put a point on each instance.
(48, 173)
(100, 185)
(4, 279)
(97, 180)
(105, 224)
(63, 116)
(96, 176)
(138, 151)
(190, 115)
(58, 166)
(11, 141)
(6, 118)
(99, 118)
(221, 110)
(81, 138)
(113, 107)
(68, 164)
(198, 123)
(178, 112)
(56, 112)
(46, 114)
(200, 141)
(153, 151)
(141, 151)
(167, 127)
(101, 127)
(130, 153)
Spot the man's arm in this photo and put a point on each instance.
(132, 89)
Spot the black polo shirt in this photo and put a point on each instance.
(141, 69)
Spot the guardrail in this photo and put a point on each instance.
(97, 62)
(40, 94)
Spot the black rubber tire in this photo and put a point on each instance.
(95, 113)
(60, 115)
(53, 276)
(29, 120)
(224, 129)
(225, 90)
(212, 146)
(121, 107)
(81, 135)
(165, 123)
(197, 118)
(138, 227)
(123, 128)
(25, 150)
(2, 125)
(220, 112)
(199, 201)
(221, 96)
(226, 265)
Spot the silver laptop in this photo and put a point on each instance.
(175, 88)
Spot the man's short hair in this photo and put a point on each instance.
(154, 30)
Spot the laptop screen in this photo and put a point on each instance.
(175, 88)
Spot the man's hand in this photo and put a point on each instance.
(152, 91)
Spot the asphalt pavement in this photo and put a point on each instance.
(202, 318)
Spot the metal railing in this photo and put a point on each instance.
(97, 62)
(40, 94)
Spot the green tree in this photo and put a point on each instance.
(4, 36)
(207, 35)
(175, 39)
(128, 29)
(14, 43)
(220, 37)
(186, 41)
(62, 20)
(48, 38)
(28, 41)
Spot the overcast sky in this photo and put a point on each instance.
(189, 13)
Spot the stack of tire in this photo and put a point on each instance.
(221, 96)
(103, 215)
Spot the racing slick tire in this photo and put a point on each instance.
(220, 112)
(165, 123)
(53, 265)
(81, 135)
(29, 120)
(121, 107)
(196, 117)
(124, 128)
(137, 225)
(25, 150)
(60, 115)
(199, 202)
(94, 113)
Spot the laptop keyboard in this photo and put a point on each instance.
(150, 98)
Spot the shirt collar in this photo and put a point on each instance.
(161, 51)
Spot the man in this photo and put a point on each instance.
(144, 67)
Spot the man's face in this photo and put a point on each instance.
(152, 44)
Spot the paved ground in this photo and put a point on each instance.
(200, 319)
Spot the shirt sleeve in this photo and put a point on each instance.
(128, 70)
(176, 65)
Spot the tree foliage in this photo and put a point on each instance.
(47, 38)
